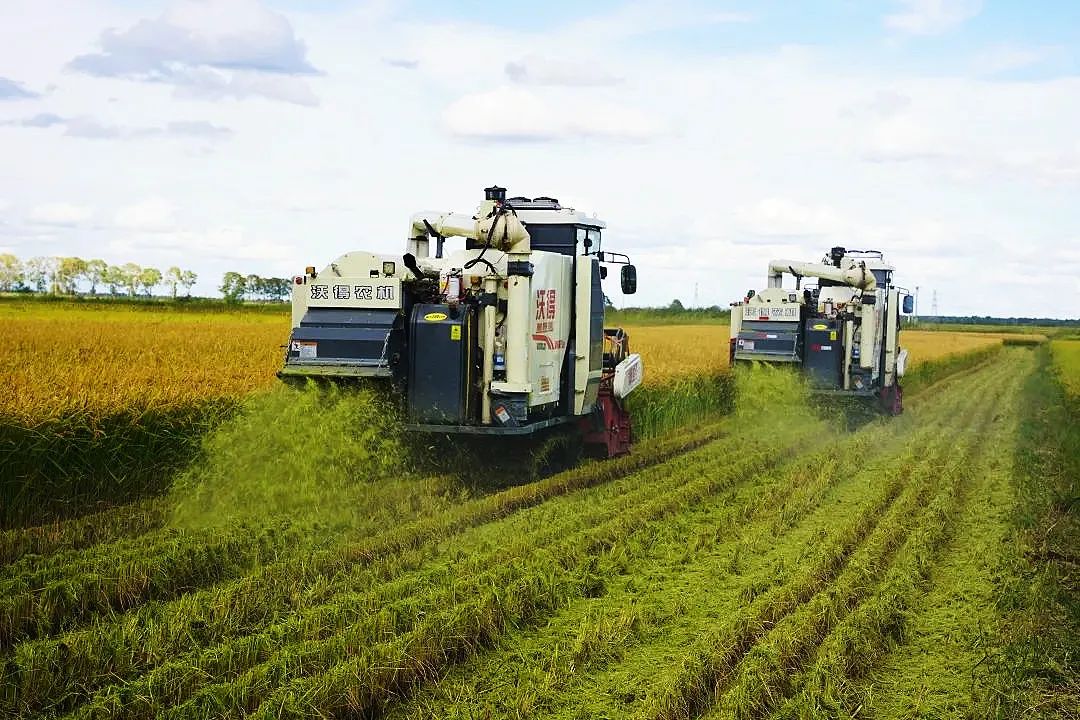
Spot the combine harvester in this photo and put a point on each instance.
(844, 333)
(505, 337)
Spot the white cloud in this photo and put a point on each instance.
(61, 214)
(515, 114)
(1005, 57)
(774, 218)
(213, 84)
(212, 48)
(903, 138)
(225, 243)
(95, 129)
(932, 17)
(538, 70)
(11, 90)
(152, 215)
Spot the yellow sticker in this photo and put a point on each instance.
(820, 326)
(455, 332)
(832, 335)
(435, 316)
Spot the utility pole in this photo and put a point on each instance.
(933, 305)
(916, 304)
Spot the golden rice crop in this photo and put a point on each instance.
(670, 351)
(924, 345)
(107, 361)
(60, 360)
(1067, 364)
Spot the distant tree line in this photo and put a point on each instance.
(73, 276)
(237, 286)
(991, 320)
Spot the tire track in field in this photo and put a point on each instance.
(763, 678)
(939, 407)
(892, 658)
(633, 619)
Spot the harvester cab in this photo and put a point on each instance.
(504, 336)
(844, 331)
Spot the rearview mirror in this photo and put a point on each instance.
(629, 279)
(909, 304)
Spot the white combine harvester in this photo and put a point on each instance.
(844, 332)
(502, 337)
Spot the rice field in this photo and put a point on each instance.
(706, 575)
(764, 561)
(1067, 365)
(61, 360)
(108, 400)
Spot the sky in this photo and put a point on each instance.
(265, 136)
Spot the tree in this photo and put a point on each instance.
(51, 267)
(277, 288)
(113, 277)
(149, 278)
(129, 277)
(11, 272)
(173, 277)
(676, 306)
(68, 272)
(95, 274)
(187, 279)
(232, 286)
(37, 273)
(254, 287)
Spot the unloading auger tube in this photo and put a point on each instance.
(504, 336)
(844, 332)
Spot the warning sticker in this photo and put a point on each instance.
(455, 332)
(307, 350)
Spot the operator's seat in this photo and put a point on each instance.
(616, 346)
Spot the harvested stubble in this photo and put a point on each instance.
(564, 653)
(243, 605)
(499, 685)
(403, 597)
(126, 521)
(53, 599)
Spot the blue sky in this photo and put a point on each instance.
(266, 136)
